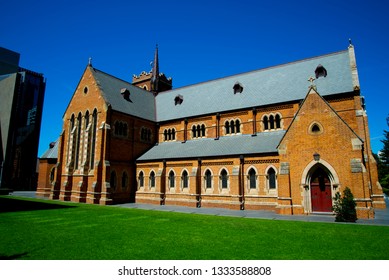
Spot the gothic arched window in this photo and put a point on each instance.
(252, 178)
(152, 179)
(185, 179)
(208, 179)
(224, 179)
(171, 179)
(141, 179)
(271, 178)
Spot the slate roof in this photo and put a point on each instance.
(264, 142)
(52, 152)
(142, 102)
(283, 83)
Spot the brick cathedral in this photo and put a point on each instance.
(284, 138)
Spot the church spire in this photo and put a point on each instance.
(155, 72)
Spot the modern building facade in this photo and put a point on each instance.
(21, 94)
(284, 138)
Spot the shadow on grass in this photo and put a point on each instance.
(12, 257)
(16, 205)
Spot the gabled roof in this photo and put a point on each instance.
(313, 90)
(264, 142)
(51, 152)
(279, 84)
(141, 103)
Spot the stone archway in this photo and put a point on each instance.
(323, 178)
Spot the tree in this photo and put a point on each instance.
(384, 154)
(383, 162)
(345, 207)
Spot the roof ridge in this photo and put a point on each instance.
(114, 77)
(256, 70)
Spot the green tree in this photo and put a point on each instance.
(383, 162)
(384, 155)
(345, 207)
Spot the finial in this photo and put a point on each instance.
(311, 79)
(90, 61)
(350, 43)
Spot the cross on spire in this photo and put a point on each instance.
(311, 80)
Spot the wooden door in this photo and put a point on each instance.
(321, 197)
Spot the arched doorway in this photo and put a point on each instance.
(321, 197)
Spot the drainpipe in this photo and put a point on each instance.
(198, 184)
(254, 122)
(217, 126)
(163, 183)
(241, 182)
(185, 130)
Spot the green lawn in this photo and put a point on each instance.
(45, 230)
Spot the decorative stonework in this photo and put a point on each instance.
(284, 168)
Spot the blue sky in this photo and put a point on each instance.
(198, 41)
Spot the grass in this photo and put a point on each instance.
(52, 230)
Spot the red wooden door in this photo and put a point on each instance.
(321, 197)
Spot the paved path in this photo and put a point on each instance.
(381, 215)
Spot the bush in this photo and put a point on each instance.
(344, 207)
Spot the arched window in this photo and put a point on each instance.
(148, 135)
(173, 134)
(271, 178)
(120, 128)
(124, 130)
(78, 137)
(145, 134)
(152, 179)
(266, 122)
(194, 134)
(224, 179)
(198, 131)
(232, 126)
(72, 123)
(141, 179)
(203, 130)
(113, 180)
(208, 179)
(271, 120)
(278, 121)
(237, 124)
(71, 141)
(171, 179)
(93, 139)
(86, 120)
(169, 134)
(165, 135)
(124, 180)
(185, 179)
(252, 178)
(227, 125)
(315, 128)
(116, 131)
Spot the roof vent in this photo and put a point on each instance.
(320, 71)
(178, 100)
(126, 94)
(238, 88)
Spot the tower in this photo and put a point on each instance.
(153, 81)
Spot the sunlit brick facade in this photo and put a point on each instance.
(267, 139)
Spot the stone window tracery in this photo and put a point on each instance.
(272, 122)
